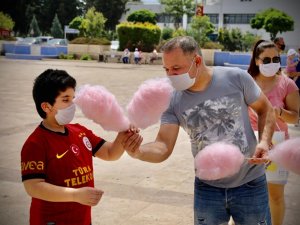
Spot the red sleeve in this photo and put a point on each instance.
(95, 140)
(33, 159)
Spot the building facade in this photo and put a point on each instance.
(231, 14)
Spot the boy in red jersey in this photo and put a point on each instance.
(56, 159)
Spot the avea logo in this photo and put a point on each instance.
(32, 165)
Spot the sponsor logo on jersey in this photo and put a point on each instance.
(32, 165)
(61, 155)
(87, 143)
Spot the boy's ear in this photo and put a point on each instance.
(46, 107)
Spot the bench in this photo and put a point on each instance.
(116, 57)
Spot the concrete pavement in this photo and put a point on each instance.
(135, 192)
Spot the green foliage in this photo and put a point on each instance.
(201, 27)
(179, 32)
(142, 16)
(86, 57)
(167, 33)
(178, 8)
(56, 30)
(235, 40)
(273, 21)
(212, 45)
(34, 29)
(6, 21)
(144, 36)
(112, 10)
(249, 40)
(76, 22)
(68, 56)
(90, 41)
(92, 25)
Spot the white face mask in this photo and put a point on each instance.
(66, 115)
(182, 81)
(269, 70)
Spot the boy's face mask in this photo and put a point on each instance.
(66, 115)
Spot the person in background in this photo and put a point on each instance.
(136, 55)
(126, 56)
(291, 63)
(211, 105)
(284, 97)
(56, 159)
(153, 56)
(280, 44)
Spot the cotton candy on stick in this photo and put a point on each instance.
(218, 160)
(287, 154)
(149, 102)
(99, 105)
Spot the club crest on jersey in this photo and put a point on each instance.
(87, 143)
(75, 149)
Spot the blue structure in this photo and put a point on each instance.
(241, 60)
(15, 51)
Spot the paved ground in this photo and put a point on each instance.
(135, 192)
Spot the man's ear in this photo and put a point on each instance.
(198, 60)
(46, 107)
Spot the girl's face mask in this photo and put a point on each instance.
(269, 70)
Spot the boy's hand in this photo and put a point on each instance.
(132, 141)
(87, 196)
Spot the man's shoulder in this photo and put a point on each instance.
(227, 73)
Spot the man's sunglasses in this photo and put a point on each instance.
(267, 60)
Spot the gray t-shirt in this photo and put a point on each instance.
(219, 113)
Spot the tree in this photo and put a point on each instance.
(273, 21)
(21, 12)
(249, 40)
(92, 25)
(66, 10)
(56, 30)
(142, 16)
(34, 29)
(201, 27)
(6, 22)
(112, 10)
(178, 8)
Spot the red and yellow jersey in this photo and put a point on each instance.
(62, 159)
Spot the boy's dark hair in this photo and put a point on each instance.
(48, 85)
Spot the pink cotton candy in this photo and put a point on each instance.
(101, 106)
(287, 154)
(149, 102)
(218, 160)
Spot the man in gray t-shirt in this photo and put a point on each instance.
(211, 105)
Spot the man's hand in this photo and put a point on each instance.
(261, 153)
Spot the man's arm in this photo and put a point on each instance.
(266, 124)
(161, 148)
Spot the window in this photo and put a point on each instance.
(164, 18)
(238, 18)
(214, 18)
